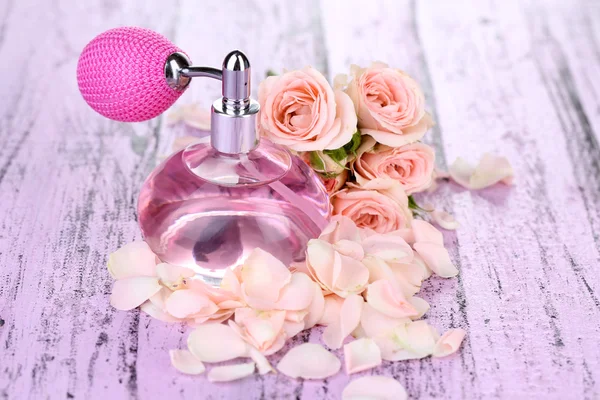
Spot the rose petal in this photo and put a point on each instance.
(216, 343)
(348, 319)
(309, 361)
(316, 309)
(227, 373)
(375, 323)
(449, 342)
(185, 303)
(263, 277)
(331, 309)
(388, 300)
(291, 329)
(425, 232)
(298, 294)
(350, 249)
(133, 259)
(129, 293)
(360, 355)
(172, 276)
(416, 340)
(340, 228)
(374, 388)
(185, 362)
(490, 170)
(420, 305)
(436, 257)
(349, 275)
(391, 248)
(444, 220)
(158, 313)
(263, 365)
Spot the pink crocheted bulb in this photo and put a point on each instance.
(121, 74)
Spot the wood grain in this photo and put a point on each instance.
(520, 79)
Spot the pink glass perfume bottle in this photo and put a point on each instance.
(208, 206)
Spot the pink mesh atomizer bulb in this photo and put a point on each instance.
(210, 205)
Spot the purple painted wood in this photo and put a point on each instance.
(517, 78)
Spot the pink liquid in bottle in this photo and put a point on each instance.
(207, 210)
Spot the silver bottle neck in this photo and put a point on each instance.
(233, 116)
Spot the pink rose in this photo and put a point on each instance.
(300, 110)
(380, 205)
(389, 103)
(411, 165)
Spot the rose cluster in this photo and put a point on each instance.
(362, 137)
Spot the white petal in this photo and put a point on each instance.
(228, 373)
(309, 361)
(298, 294)
(216, 343)
(374, 388)
(172, 276)
(158, 313)
(360, 355)
(185, 362)
(129, 293)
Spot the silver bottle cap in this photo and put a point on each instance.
(233, 117)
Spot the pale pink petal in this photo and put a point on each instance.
(185, 303)
(227, 373)
(173, 276)
(408, 277)
(360, 355)
(263, 365)
(420, 305)
(490, 170)
(379, 269)
(262, 329)
(382, 296)
(349, 276)
(291, 329)
(374, 387)
(425, 232)
(375, 323)
(320, 260)
(416, 340)
(216, 343)
(129, 293)
(391, 248)
(331, 309)
(316, 309)
(444, 220)
(449, 342)
(158, 313)
(185, 362)
(350, 249)
(348, 319)
(309, 361)
(405, 233)
(296, 316)
(231, 283)
(133, 259)
(341, 228)
(263, 277)
(298, 294)
(436, 257)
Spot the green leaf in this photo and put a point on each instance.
(270, 72)
(412, 204)
(316, 162)
(336, 155)
(353, 144)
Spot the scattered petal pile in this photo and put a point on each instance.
(358, 283)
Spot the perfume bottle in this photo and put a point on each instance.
(208, 206)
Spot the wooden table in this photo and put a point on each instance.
(521, 79)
